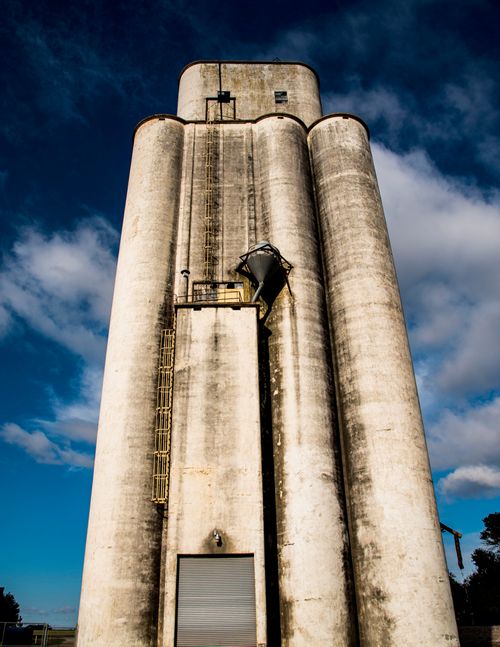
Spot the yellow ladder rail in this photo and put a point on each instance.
(163, 426)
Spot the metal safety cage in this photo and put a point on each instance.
(161, 457)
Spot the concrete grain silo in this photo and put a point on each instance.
(261, 473)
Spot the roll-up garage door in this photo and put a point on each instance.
(216, 602)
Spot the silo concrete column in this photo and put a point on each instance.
(402, 588)
(120, 581)
(312, 542)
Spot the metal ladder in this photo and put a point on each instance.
(163, 424)
(210, 259)
(161, 457)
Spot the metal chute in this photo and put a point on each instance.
(262, 262)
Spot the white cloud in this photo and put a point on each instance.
(71, 423)
(464, 113)
(77, 429)
(471, 481)
(474, 366)
(38, 612)
(60, 285)
(445, 235)
(466, 437)
(5, 320)
(376, 104)
(42, 449)
(473, 96)
(445, 239)
(60, 616)
(76, 420)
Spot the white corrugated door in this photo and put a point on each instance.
(216, 602)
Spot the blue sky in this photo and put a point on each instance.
(424, 75)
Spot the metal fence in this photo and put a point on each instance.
(214, 292)
(26, 634)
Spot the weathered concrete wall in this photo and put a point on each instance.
(264, 190)
(216, 478)
(401, 579)
(236, 196)
(120, 581)
(234, 202)
(312, 540)
(253, 85)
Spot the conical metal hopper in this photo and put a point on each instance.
(263, 260)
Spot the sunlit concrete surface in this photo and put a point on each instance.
(295, 435)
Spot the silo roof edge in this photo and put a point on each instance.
(158, 116)
(345, 115)
(251, 63)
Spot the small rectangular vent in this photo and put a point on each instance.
(280, 96)
(223, 96)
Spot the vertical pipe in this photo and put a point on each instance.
(312, 539)
(183, 254)
(120, 581)
(401, 579)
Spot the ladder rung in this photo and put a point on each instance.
(161, 455)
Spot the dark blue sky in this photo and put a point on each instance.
(77, 78)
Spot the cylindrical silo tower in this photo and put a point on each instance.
(402, 587)
(312, 533)
(261, 474)
(119, 597)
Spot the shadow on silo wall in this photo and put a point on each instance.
(268, 491)
(479, 636)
